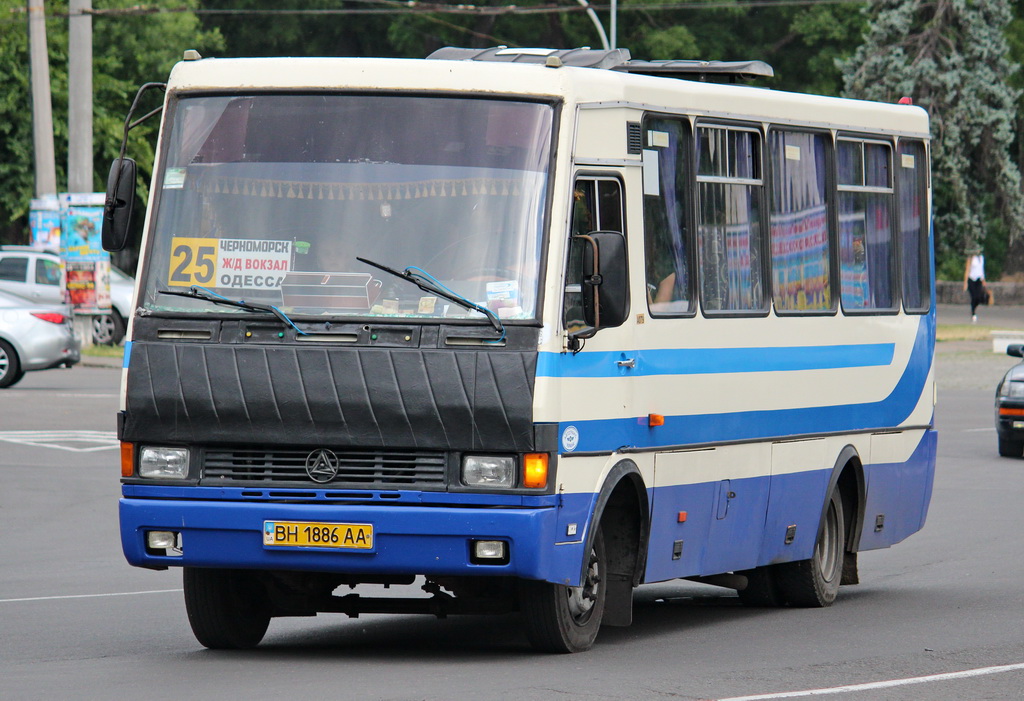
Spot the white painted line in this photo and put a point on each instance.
(982, 671)
(979, 430)
(87, 441)
(90, 596)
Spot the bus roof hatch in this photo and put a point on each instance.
(616, 60)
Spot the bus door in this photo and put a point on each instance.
(596, 382)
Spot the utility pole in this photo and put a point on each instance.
(80, 171)
(42, 111)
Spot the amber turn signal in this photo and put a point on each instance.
(535, 470)
(127, 459)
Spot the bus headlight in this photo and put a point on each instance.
(488, 471)
(163, 463)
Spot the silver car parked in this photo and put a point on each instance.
(34, 337)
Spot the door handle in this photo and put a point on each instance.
(627, 363)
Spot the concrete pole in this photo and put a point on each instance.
(42, 112)
(615, 24)
(80, 172)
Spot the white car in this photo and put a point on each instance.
(34, 337)
(33, 274)
(108, 329)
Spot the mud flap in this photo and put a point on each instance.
(618, 608)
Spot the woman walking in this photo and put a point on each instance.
(974, 280)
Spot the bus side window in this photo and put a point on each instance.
(597, 206)
(666, 225)
(866, 247)
(729, 225)
(911, 189)
(800, 216)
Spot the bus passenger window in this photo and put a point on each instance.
(597, 206)
(729, 219)
(911, 189)
(800, 217)
(866, 250)
(666, 233)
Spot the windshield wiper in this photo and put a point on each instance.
(197, 292)
(428, 283)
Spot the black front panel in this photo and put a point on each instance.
(365, 468)
(260, 393)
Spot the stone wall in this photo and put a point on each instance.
(1003, 293)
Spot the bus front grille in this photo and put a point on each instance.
(370, 469)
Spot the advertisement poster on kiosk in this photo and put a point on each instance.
(44, 221)
(88, 265)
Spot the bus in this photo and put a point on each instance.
(518, 331)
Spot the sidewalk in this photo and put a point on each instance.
(95, 361)
(997, 317)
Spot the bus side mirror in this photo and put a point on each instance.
(120, 201)
(1016, 350)
(604, 283)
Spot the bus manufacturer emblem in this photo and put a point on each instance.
(322, 465)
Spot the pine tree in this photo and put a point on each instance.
(951, 57)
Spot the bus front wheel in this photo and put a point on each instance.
(566, 619)
(227, 609)
(815, 582)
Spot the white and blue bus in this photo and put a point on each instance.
(523, 328)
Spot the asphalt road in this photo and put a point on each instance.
(77, 623)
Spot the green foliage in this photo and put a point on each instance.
(128, 50)
(951, 56)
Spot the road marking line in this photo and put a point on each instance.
(90, 596)
(979, 430)
(94, 440)
(882, 685)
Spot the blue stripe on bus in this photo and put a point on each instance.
(603, 435)
(709, 361)
(127, 354)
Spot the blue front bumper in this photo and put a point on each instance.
(408, 538)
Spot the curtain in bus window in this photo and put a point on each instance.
(866, 249)
(799, 222)
(665, 235)
(911, 188)
(729, 232)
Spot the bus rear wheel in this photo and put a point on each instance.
(566, 619)
(815, 582)
(227, 609)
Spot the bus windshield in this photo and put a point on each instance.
(273, 197)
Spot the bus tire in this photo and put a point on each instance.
(227, 609)
(566, 619)
(1010, 449)
(814, 583)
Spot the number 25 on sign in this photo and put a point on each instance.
(193, 261)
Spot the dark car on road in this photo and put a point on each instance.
(1010, 407)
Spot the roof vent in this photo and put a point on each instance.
(581, 58)
(615, 60)
(191, 55)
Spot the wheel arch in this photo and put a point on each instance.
(623, 501)
(848, 476)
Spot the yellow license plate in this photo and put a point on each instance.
(306, 534)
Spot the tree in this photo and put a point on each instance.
(128, 49)
(951, 57)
